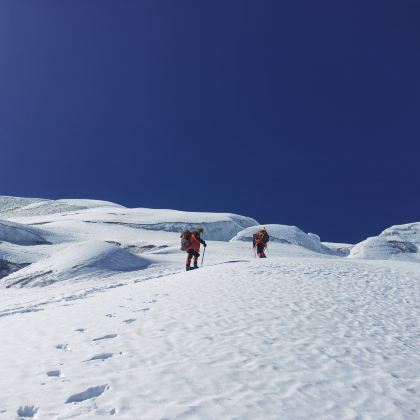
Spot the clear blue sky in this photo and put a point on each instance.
(294, 112)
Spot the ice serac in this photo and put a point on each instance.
(218, 226)
(340, 249)
(78, 260)
(409, 233)
(285, 234)
(400, 242)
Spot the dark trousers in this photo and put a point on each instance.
(191, 254)
(260, 251)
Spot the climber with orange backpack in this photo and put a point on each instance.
(259, 241)
(190, 243)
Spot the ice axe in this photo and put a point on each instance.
(202, 258)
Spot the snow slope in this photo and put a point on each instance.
(286, 337)
(123, 332)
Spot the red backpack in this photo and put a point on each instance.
(261, 237)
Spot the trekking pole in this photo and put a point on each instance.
(202, 258)
(255, 254)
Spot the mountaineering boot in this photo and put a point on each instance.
(188, 268)
(195, 266)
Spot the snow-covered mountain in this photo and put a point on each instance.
(122, 331)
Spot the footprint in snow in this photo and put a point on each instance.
(105, 337)
(88, 394)
(142, 310)
(27, 411)
(102, 357)
(110, 315)
(65, 347)
(130, 320)
(80, 330)
(56, 373)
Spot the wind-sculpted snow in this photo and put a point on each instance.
(286, 235)
(84, 259)
(20, 234)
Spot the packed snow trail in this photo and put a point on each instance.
(290, 338)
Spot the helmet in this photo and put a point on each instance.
(200, 229)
